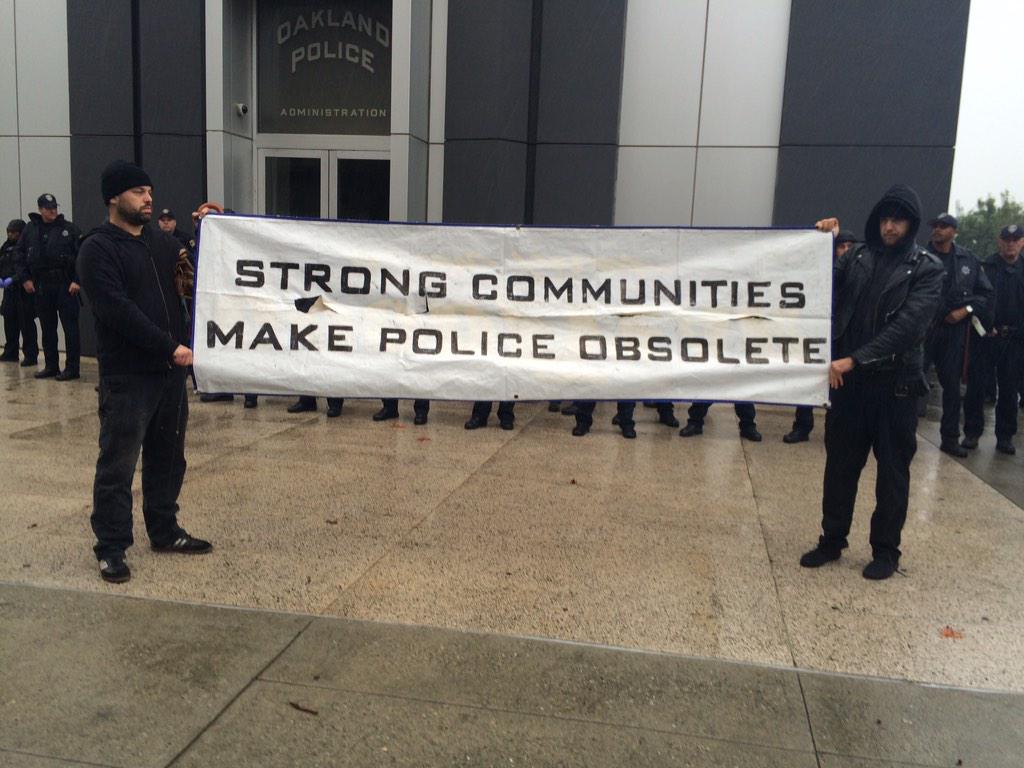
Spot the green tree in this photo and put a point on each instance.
(980, 226)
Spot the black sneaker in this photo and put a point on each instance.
(796, 436)
(1005, 445)
(184, 544)
(114, 569)
(629, 433)
(419, 419)
(580, 430)
(508, 424)
(29, 363)
(952, 447)
(879, 569)
(385, 414)
(46, 373)
(669, 420)
(820, 555)
(68, 376)
(475, 422)
(970, 443)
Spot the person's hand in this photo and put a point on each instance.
(182, 356)
(74, 288)
(828, 225)
(207, 207)
(29, 286)
(837, 369)
(956, 315)
(6, 282)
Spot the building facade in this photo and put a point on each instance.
(682, 112)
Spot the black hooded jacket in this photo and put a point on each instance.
(887, 336)
(129, 282)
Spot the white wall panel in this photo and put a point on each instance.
(735, 187)
(10, 188)
(42, 50)
(8, 82)
(661, 72)
(238, 174)
(418, 168)
(46, 167)
(744, 72)
(654, 185)
(438, 68)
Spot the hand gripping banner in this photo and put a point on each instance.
(512, 313)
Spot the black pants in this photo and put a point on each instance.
(944, 348)
(20, 323)
(803, 419)
(866, 416)
(418, 406)
(147, 413)
(482, 410)
(624, 409)
(746, 412)
(1002, 359)
(52, 302)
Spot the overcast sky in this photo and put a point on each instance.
(990, 137)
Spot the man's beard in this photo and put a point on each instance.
(135, 218)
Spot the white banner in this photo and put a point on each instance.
(512, 313)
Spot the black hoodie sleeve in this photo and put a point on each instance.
(911, 321)
(21, 273)
(103, 282)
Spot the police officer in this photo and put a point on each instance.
(307, 403)
(16, 307)
(966, 291)
(745, 412)
(482, 411)
(623, 417)
(885, 292)
(169, 224)
(389, 410)
(1002, 350)
(803, 419)
(46, 255)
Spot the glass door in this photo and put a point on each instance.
(360, 186)
(294, 182)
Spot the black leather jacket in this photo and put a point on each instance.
(906, 306)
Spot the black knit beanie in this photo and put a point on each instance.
(121, 175)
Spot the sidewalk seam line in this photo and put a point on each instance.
(238, 695)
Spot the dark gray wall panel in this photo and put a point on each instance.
(89, 156)
(100, 66)
(847, 181)
(176, 165)
(484, 182)
(575, 184)
(171, 50)
(874, 72)
(581, 71)
(488, 69)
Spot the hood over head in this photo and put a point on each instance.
(900, 201)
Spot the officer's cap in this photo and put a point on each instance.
(46, 201)
(945, 220)
(167, 213)
(1011, 232)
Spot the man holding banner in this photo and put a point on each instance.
(886, 291)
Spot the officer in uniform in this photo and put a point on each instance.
(803, 420)
(1002, 350)
(745, 412)
(482, 412)
(389, 410)
(623, 417)
(885, 293)
(306, 403)
(45, 256)
(169, 224)
(15, 324)
(966, 291)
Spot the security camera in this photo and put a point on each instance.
(242, 109)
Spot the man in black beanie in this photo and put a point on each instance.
(128, 272)
(886, 291)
